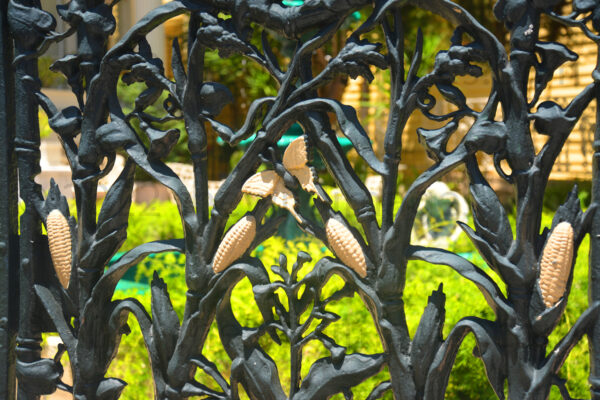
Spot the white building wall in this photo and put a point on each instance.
(131, 11)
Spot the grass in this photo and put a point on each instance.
(355, 329)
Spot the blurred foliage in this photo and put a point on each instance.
(154, 221)
(45, 130)
(245, 79)
(48, 78)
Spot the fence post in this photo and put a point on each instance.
(594, 275)
(27, 149)
(9, 251)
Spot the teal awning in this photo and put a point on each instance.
(295, 3)
(292, 133)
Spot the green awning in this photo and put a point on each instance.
(295, 3)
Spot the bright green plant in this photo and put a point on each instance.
(157, 221)
(49, 78)
(45, 130)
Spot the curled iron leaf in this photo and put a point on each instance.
(492, 257)
(213, 97)
(39, 377)
(584, 5)
(257, 108)
(98, 20)
(69, 66)
(29, 25)
(487, 136)
(436, 140)
(224, 131)
(428, 337)
(356, 58)
(222, 36)
(489, 216)
(552, 56)
(165, 322)
(452, 94)
(113, 219)
(178, 69)
(486, 285)
(570, 211)
(147, 98)
(489, 347)
(114, 212)
(456, 62)
(150, 71)
(56, 313)
(544, 320)
(67, 123)
(110, 389)
(551, 119)
(561, 351)
(161, 142)
(510, 11)
(326, 378)
(115, 135)
(545, 4)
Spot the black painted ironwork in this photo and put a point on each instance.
(513, 346)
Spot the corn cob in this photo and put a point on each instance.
(235, 243)
(59, 241)
(296, 154)
(261, 184)
(555, 264)
(295, 160)
(345, 246)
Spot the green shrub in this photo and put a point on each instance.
(355, 329)
(154, 221)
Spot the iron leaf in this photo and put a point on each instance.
(114, 213)
(489, 216)
(110, 389)
(551, 119)
(428, 337)
(436, 140)
(326, 378)
(165, 322)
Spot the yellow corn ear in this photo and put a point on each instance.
(59, 241)
(235, 243)
(555, 264)
(345, 246)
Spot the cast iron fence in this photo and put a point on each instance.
(57, 282)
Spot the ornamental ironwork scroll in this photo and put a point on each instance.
(63, 284)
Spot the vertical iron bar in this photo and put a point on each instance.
(28, 162)
(594, 278)
(8, 215)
